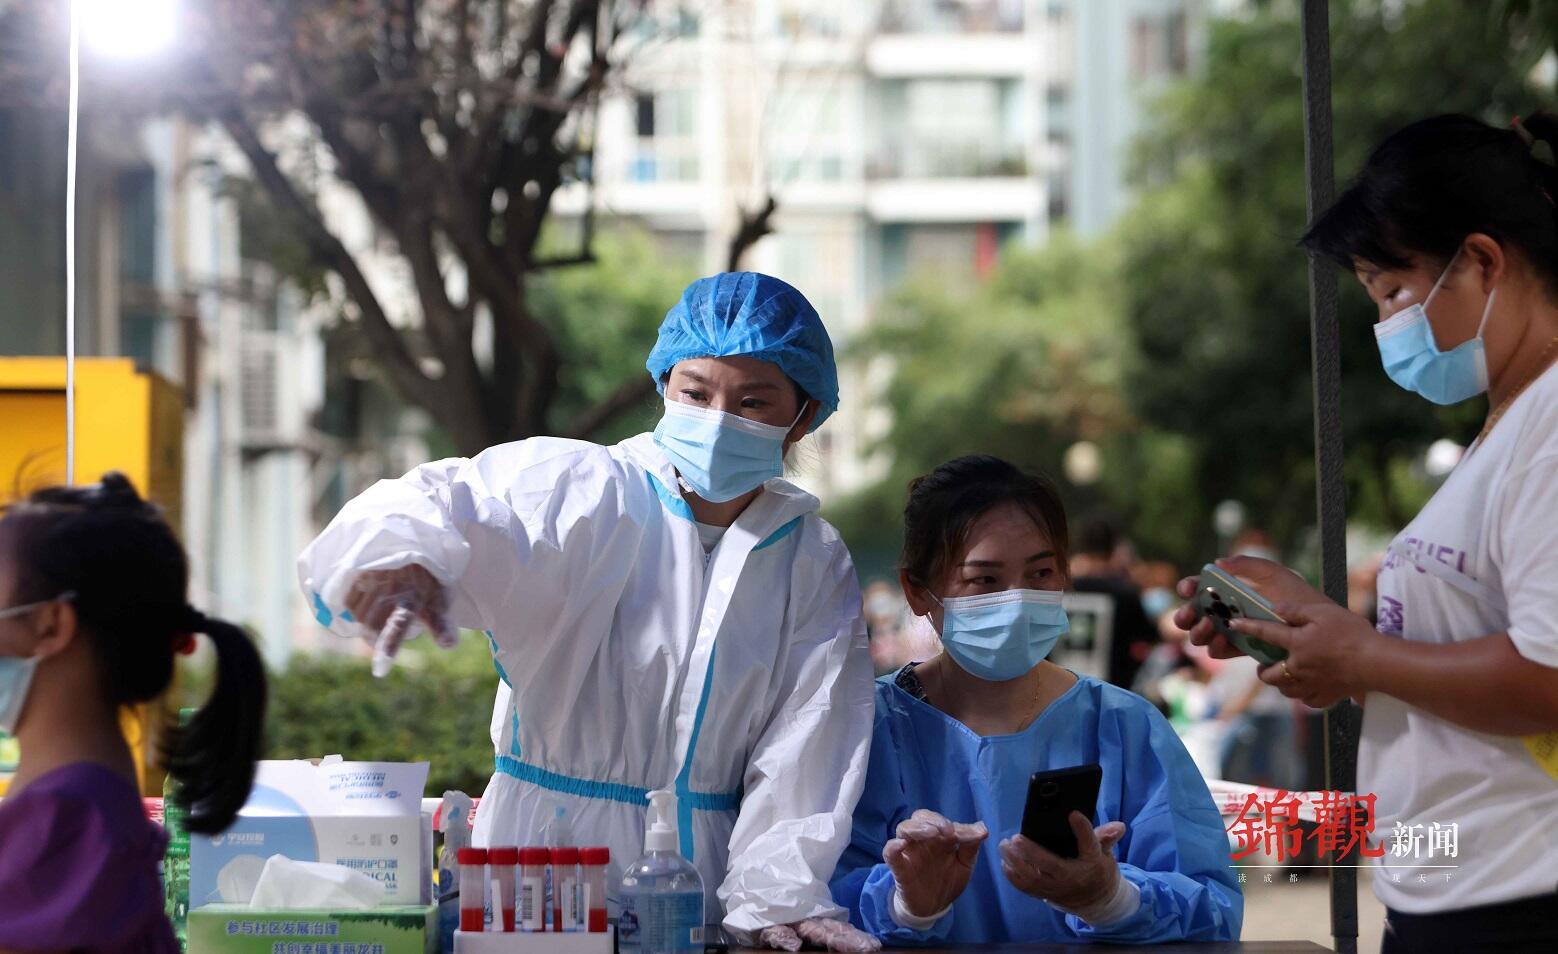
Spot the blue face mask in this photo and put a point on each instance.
(720, 456)
(16, 672)
(1413, 360)
(1000, 636)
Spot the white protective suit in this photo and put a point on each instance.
(633, 660)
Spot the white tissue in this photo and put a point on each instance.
(288, 885)
(235, 882)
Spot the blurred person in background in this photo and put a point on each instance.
(1260, 742)
(1157, 580)
(1102, 564)
(885, 612)
(1363, 586)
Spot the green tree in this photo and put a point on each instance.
(434, 706)
(606, 315)
(452, 124)
(1180, 342)
(1215, 290)
(1039, 364)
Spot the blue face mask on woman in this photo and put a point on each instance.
(1413, 360)
(721, 456)
(1000, 636)
(16, 672)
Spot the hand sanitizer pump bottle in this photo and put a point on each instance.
(662, 893)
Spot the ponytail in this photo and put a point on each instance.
(130, 577)
(212, 758)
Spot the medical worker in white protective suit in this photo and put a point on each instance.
(664, 613)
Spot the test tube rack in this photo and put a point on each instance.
(522, 942)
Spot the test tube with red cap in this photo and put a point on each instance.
(503, 861)
(473, 888)
(565, 890)
(532, 889)
(592, 864)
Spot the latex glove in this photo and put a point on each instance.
(390, 602)
(932, 859)
(824, 933)
(1275, 582)
(1078, 884)
(780, 937)
(832, 935)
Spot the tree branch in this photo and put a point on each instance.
(754, 226)
(585, 257)
(404, 372)
(627, 395)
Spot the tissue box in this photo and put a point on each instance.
(238, 929)
(366, 816)
(388, 850)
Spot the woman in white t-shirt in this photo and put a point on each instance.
(1452, 228)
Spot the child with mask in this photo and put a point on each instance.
(958, 736)
(93, 608)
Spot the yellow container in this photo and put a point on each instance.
(126, 420)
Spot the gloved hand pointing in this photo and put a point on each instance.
(389, 602)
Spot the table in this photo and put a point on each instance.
(1217, 947)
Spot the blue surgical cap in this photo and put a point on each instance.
(744, 314)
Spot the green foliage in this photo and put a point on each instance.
(434, 706)
(1038, 365)
(605, 316)
(1180, 343)
(1216, 292)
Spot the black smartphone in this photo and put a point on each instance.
(714, 940)
(1052, 797)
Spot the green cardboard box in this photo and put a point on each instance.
(238, 929)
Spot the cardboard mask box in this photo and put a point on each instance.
(239, 929)
(366, 816)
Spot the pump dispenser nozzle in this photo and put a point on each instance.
(660, 832)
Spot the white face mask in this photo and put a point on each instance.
(16, 672)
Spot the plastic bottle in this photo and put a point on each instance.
(473, 881)
(556, 833)
(501, 862)
(454, 820)
(592, 866)
(175, 863)
(532, 889)
(662, 893)
(566, 915)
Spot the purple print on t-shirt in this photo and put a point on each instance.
(1392, 616)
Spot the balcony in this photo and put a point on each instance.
(956, 201)
(922, 55)
(952, 183)
(952, 16)
(935, 160)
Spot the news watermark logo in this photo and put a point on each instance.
(1276, 826)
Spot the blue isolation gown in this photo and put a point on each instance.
(1175, 848)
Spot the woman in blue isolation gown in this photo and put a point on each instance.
(958, 736)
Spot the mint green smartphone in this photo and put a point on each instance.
(1222, 599)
